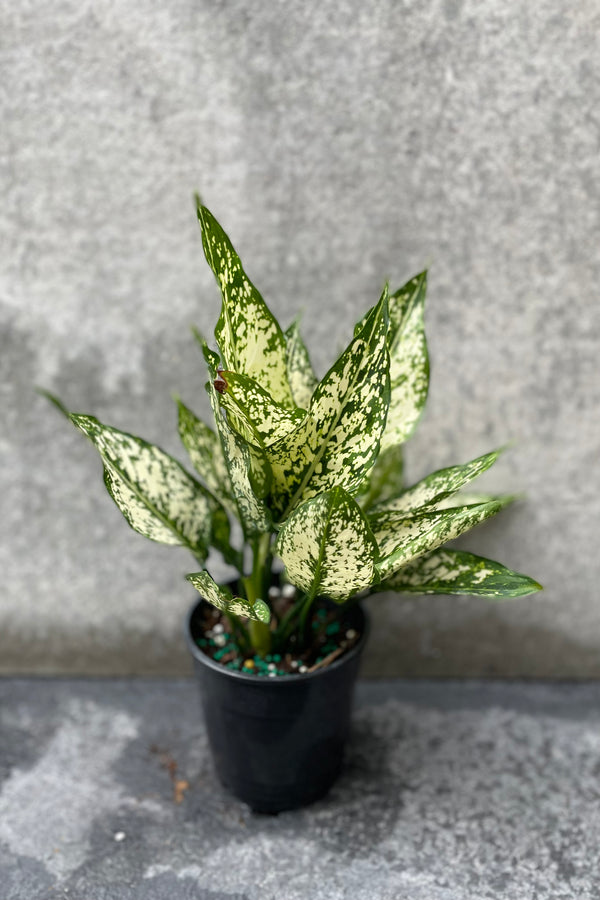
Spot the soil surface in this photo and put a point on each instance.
(331, 634)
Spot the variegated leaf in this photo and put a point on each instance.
(301, 376)
(338, 440)
(249, 337)
(205, 452)
(386, 478)
(439, 485)
(248, 473)
(458, 572)
(224, 600)
(156, 495)
(409, 361)
(402, 538)
(253, 413)
(327, 547)
(468, 499)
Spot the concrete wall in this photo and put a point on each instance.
(339, 144)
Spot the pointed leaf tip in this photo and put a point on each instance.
(458, 572)
(222, 598)
(54, 400)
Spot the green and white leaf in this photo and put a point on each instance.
(205, 452)
(468, 499)
(440, 485)
(301, 377)
(338, 440)
(409, 361)
(224, 600)
(248, 472)
(156, 495)
(327, 547)
(249, 337)
(253, 413)
(386, 478)
(458, 572)
(402, 538)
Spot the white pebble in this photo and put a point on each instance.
(218, 629)
(220, 640)
(302, 670)
(119, 836)
(271, 667)
(351, 634)
(274, 593)
(272, 674)
(288, 591)
(295, 664)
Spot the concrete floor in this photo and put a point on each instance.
(452, 791)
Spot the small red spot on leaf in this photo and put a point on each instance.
(219, 382)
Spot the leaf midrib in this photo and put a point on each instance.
(224, 292)
(316, 460)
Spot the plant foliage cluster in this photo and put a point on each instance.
(310, 469)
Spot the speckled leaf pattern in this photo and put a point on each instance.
(458, 572)
(248, 472)
(464, 498)
(402, 538)
(224, 600)
(409, 361)
(249, 337)
(301, 377)
(156, 495)
(386, 478)
(338, 440)
(253, 413)
(327, 546)
(206, 455)
(440, 484)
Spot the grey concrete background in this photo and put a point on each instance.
(339, 144)
(469, 791)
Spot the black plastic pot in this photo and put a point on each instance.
(278, 743)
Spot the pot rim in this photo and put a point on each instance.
(248, 678)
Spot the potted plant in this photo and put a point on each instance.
(311, 472)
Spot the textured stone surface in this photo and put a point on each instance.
(452, 791)
(339, 145)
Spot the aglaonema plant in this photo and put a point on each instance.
(310, 469)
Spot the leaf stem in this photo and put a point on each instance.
(287, 623)
(256, 586)
(308, 602)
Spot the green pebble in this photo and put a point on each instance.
(333, 628)
(202, 642)
(276, 657)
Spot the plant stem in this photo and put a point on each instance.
(308, 602)
(256, 585)
(287, 623)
